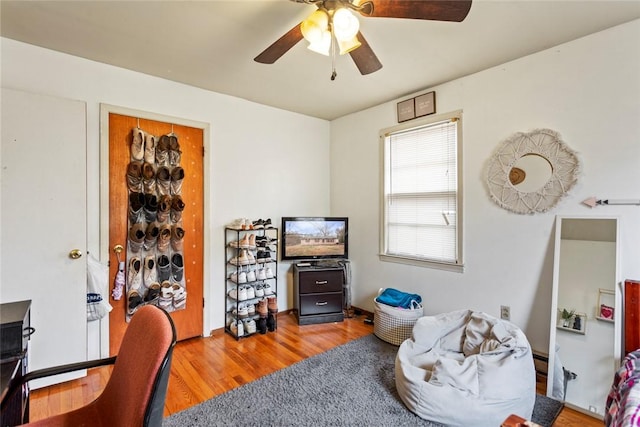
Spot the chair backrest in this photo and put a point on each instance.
(137, 388)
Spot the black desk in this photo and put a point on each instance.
(15, 330)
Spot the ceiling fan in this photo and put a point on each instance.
(333, 26)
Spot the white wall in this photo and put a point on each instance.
(259, 155)
(589, 91)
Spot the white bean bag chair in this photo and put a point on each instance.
(466, 368)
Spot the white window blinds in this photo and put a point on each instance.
(421, 193)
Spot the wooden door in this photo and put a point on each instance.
(188, 321)
(631, 315)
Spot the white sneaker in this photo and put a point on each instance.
(242, 312)
(259, 291)
(251, 276)
(250, 326)
(239, 294)
(237, 224)
(237, 328)
(242, 259)
(250, 258)
(242, 277)
(251, 292)
(261, 274)
(269, 273)
(251, 309)
(267, 289)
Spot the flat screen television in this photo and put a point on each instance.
(314, 238)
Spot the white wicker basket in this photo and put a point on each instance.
(394, 325)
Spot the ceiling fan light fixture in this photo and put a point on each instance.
(349, 45)
(345, 24)
(322, 45)
(314, 26)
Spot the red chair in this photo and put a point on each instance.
(136, 390)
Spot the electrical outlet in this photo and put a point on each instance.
(505, 312)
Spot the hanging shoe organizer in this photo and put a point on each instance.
(155, 261)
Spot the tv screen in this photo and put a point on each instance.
(314, 238)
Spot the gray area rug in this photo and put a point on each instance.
(350, 385)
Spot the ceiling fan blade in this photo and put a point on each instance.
(280, 46)
(366, 61)
(436, 10)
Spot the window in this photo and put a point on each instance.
(422, 212)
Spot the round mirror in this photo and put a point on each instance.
(530, 172)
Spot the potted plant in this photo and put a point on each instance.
(567, 316)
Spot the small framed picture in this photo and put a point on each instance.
(406, 110)
(425, 104)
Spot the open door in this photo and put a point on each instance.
(188, 319)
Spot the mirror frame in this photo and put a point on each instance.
(618, 317)
(546, 143)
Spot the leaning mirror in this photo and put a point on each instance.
(530, 172)
(584, 338)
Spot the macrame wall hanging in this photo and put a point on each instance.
(155, 260)
(530, 172)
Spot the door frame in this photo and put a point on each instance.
(105, 110)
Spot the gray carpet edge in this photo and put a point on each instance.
(313, 392)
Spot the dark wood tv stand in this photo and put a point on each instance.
(318, 294)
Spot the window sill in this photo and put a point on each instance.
(456, 268)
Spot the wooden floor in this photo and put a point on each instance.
(206, 367)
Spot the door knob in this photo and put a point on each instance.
(75, 254)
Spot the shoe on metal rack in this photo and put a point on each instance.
(262, 325)
(249, 326)
(267, 223)
(271, 322)
(259, 291)
(237, 224)
(258, 224)
(238, 278)
(251, 309)
(250, 258)
(262, 275)
(241, 259)
(267, 289)
(251, 292)
(268, 273)
(236, 328)
(243, 243)
(251, 276)
(262, 309)
(272, 304)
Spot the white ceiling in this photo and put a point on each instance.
(211, 44)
